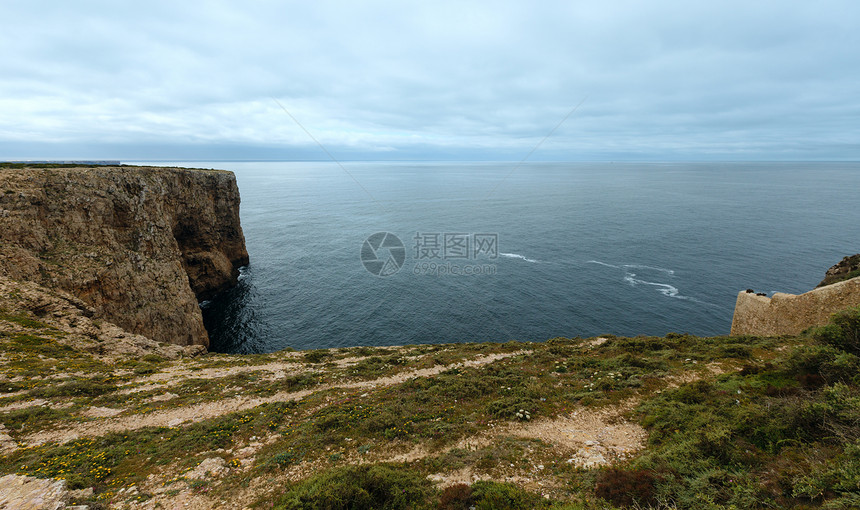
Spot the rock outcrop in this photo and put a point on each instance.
(790, 314)
(847, 268)
(140, 246)
(29, 493)
(76, 325)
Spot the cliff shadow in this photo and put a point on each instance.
(234, 319)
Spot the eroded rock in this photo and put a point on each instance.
(28, 493)
(843, 270)
(136, 246)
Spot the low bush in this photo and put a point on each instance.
(627, 488)
(29, 416)
(317, 356)
(842, 332)
(23, 320)
(79, 388)
(376, 487)
(488, 495)
(832, 365)
(152, 358)
(456, 497)
(785, 433)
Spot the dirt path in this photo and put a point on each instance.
(195, 413)
(294, 364)
(589, 437)
(164, 379)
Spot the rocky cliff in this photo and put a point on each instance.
(141, 246)
(847, 268)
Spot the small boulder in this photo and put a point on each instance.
(211, 467)
(193, 350)
(28, 493)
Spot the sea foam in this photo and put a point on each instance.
(518, 256)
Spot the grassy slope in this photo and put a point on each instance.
(743, 422)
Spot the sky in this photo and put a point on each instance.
(409, 80)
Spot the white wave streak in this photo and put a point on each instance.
(664, 288)
(518, 256)
(602, 264)
(630, 277)
(640, 266)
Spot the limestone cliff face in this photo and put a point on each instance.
(139, 245)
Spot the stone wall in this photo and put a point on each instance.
(789, 314)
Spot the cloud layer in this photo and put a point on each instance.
(410, 80)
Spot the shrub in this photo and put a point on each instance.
(843, 331)
(317, 356)
(376, 487)
(88, 388)
(144, 369)
(735, 351)
(32, 344)
(828, 362)
(17, 418)
(23, 320)
(627, 488)
(841, 477)
(286, 458)
(456, 497)
(499, 496)
(508, 407)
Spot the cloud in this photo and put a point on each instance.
(375, 79)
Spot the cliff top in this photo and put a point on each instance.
(20, 166)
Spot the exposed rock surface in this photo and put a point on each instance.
(28, 493)
(848, 267)
(71, 316)
(209, 468)
(139, 246)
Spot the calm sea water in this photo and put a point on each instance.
(581, 249)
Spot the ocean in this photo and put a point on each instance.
(393, 253)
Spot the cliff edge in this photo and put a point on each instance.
(141, 246)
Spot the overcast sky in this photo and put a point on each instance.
(430, 80)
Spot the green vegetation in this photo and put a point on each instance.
(781, 434)
(394, 487)
(732, 422)
(22, 320)
(376, 487)
(851, 266)
(122, 459)
(317, 356)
